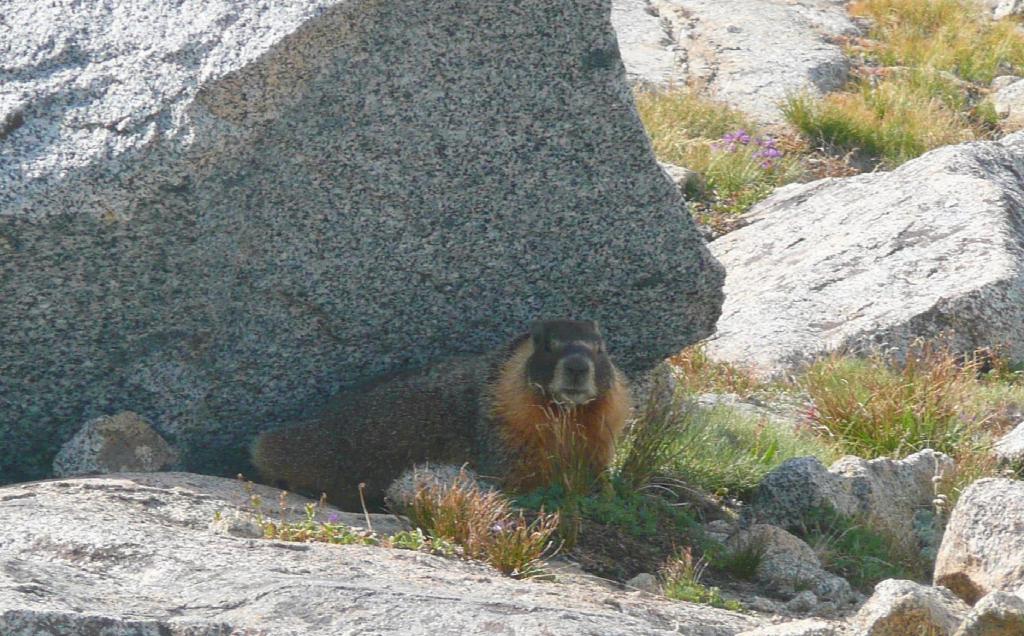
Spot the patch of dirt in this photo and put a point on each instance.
(613, 553)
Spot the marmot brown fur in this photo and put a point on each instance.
(506, 415)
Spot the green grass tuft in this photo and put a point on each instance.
(636, 513)
(724, 451)
(720, 143)
(681, 581)
(858, 553)
(877, 409)
(890, 121)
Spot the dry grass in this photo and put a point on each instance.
(928, 66)
(947, 35)
(890, 120)
(875, 407)
(484, 524)
(698, 373)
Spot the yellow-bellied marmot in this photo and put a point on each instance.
(506, 415)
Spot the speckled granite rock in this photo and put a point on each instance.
(1003, 8)
(134, 555)
(401, 492)
(934, 246)
(1010, 447)
(885, 491)
(899, 607)
(114, 444)
(997, 614)
(982, 548)
(787, 565)
(804, 627)
(216, 214)
(1009, 104)
(749, 53)
(648, 44)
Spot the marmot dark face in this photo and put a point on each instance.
(569, 364)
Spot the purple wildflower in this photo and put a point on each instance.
(767, 151)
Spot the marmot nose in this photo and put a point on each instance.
(576, 367)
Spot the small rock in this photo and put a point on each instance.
(719, 530)
(1010, 448)
(689, 182)
(997, 614)
(805, 627)
(646, 582)
(1009, 104)
(1004, 8)
(787, 564)
(803, 602)
(402, 490)
(899, 608)
(984, 540)
(110, 444)
(1002, 81)
(762, 604)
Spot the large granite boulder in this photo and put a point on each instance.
(982, 550)
(750, 54)
(141, 555)
(933, 247)
(216, 214)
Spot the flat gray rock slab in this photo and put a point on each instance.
(750, 54)
(216, 214)
(134, 555)
(648, 44)
(878, 260)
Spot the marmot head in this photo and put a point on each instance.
(569, 364)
